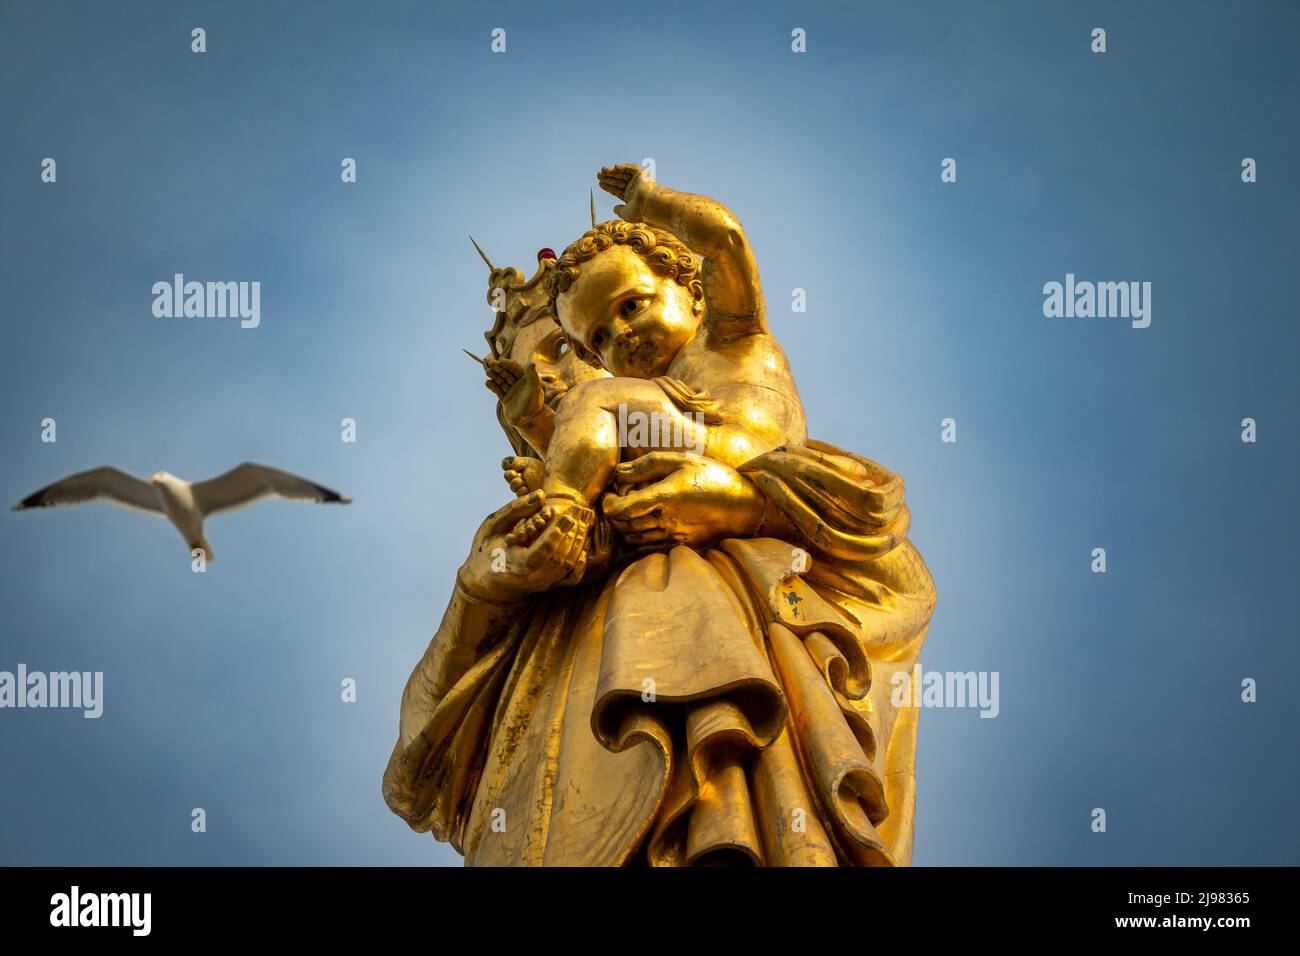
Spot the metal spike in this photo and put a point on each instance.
(484, 255)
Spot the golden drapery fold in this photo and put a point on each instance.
(694, 708)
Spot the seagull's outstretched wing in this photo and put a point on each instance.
(109, 483)
(247, 483)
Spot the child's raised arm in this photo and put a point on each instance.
(732, 291)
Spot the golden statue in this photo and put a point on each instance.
(675, 646)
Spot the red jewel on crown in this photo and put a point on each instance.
(546, 254)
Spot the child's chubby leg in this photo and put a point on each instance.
(607, 420)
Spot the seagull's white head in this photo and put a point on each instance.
(161, 478)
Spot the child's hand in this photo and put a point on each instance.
(519, 388)
(501, 375)
(628, 182)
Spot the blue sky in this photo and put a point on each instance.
(924, 302)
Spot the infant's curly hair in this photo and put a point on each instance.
(664, 253)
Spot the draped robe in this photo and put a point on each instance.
(730, 705)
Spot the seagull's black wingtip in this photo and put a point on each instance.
(331, 497)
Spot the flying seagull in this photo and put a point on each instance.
(183, 503)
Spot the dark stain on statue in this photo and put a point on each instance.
(792, 598)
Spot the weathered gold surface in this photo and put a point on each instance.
(661, 654)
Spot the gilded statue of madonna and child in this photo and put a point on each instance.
(676, 645)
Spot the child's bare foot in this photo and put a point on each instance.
(523, 475)
(526, 531)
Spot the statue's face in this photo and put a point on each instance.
(542, 343)
(633, 320)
